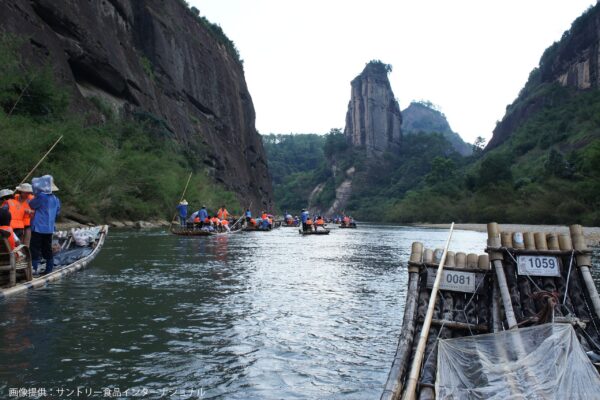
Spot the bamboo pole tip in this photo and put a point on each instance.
(483, 262)
(428, 256)
(416, 253)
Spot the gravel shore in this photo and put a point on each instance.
(592, 234)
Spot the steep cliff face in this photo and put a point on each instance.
(152, 59)
(373, 119)
(424, 118)
(572, 62)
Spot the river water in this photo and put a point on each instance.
(271, 315)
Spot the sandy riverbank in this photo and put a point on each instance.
(592, 234)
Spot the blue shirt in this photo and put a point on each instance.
(203, 214)
(182, 208)
(47, 207)
(304, 216)
(248, 214)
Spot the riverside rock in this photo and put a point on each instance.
(373, 120)
(152, 59)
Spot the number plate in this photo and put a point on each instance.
(538, 265)
(456, 281)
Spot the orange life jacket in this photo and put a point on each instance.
(197, 220)
(215, 220)
(264, 216)
(206, 220)
(309, 222)
(346, 220)
(11, 238)
(17, 212)
(271, 221)
(320, 222)
(224, 222)
(222, 213)
(28, 211)
(253, 221)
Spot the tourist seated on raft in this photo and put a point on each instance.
(252, 223)
(6, 231)
(309, 225)
(265, 224)
(320, 222)
(248, 215)
(224, 225)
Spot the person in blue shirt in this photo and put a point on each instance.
(47, 207)
(202, 214)
(182, 209)
(265, 224)
(304, 217)
(248, 215)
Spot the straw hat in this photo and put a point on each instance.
(6, 193)
(54, 187)
(24, 188)
(184, 203)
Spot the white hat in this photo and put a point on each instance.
(184, 203)
(6, 192)
(54, 187)
(24, 187)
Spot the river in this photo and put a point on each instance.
(271, 315)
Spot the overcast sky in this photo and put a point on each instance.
(470, 57)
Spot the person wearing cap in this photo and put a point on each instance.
(182, 209)
(47, 207)
(24, 195)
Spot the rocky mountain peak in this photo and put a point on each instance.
(424, 117)
(373, 120)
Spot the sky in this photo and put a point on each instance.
(469, 57)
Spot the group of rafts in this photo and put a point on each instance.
(520, 322)
(265, 223)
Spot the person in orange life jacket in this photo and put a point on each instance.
(319, 222)
(225, 225)
(252, 222)
(25, 195)
(47, 207)
(6, 232)
(264, 215)
(309, 224)
(223, 213)
(17, 209)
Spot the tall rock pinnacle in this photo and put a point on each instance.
(373, 120)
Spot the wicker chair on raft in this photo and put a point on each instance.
(15, 265)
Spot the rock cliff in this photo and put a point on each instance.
(571, 62)
(373, 120)
(153, 59)
(421, 117)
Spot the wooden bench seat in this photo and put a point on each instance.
(15, 265)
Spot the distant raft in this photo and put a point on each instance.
(199, 232)
(324, 231)
(74, 250)
(352, 225)
(523, 322)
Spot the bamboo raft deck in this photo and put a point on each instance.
(351, 226)
(199, 232)
(504, 296)
(66, 240)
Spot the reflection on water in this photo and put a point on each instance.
(244, 316)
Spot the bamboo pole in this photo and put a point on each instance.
(496, 257)
(41, 159)
(182, 196)
(584, 261)
(411, 384)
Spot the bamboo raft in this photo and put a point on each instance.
(199, 232)
(351, 226)
(505, 296)
(324, 231)
(72, 257)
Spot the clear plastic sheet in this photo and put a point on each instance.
(541, 362)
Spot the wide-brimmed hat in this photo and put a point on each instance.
(184, 203)
(6, 193)
(24, 188)
(53, 186)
